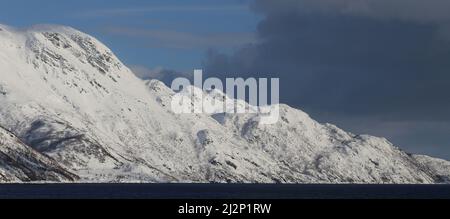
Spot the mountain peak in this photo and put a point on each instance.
(54, 43)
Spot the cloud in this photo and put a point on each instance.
(159, 73)
(405, 10)
(112, 12)
(185, 40)
(346, 60)
(147, 73)
(347, 65)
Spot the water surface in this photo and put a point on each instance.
(226, 191)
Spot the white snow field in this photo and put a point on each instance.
(81, 115)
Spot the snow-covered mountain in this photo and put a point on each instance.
(81, 115)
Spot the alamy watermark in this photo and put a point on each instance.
(211, 97)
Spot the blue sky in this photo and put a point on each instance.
(169, 34)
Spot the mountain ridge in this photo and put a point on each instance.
(67, 96)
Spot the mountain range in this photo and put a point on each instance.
(71, 111)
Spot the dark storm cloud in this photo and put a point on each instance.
(349, 63)
(380, 67)
(406, 10)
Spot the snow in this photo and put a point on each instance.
(20, 163)
(67, 96)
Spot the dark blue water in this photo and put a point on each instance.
(226, 191)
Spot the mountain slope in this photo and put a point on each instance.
(66, 95)
(20, 163)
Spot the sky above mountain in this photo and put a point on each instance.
(370, 66)
(151, 34)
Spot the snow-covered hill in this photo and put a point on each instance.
(69, 98)
(19, 162)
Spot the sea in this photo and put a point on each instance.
(222, 191)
